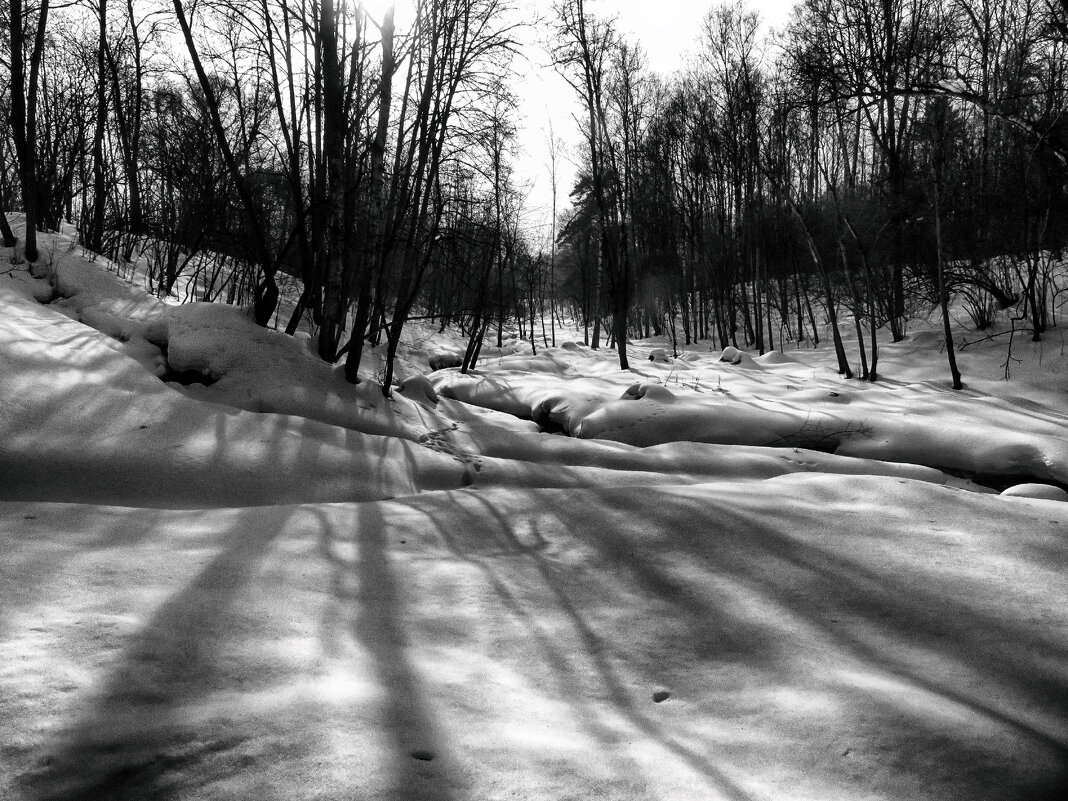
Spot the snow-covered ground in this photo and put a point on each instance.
(737, 579)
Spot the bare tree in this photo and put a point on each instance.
(498, 141)
(94, 231)
(266, 289)
(459, 46)
(582, 55)
(554, 158)
(371, 233)
(25, 78)
(127, 68)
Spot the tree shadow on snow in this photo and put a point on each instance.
(372, 608)
(144, 736)
(714, 594)
(935, 656)
(509, 562)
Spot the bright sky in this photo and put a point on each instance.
(666, 30)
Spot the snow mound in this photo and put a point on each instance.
(418, 388)
(444, 359)
(545, 362)
(139, 441)
(773, 357)
(732, 355)
(214, 340)
(659, 355)
(652, 392)
(1046, 492)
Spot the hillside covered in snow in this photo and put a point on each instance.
(228, 573)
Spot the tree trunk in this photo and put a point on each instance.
(839, 349)
(873, 374)
(856, 310)
(943, 296)
(265, 291)
(596, 341)
(334, 129)
(24, 116)
(811, 313)
(619, 330)
(94, 237)
(371, 250)
(5, 229)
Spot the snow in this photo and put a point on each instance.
(953, 85)
(739, 579)
(734, 398)
(1030, 490)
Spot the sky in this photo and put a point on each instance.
(666, 29)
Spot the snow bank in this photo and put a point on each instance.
(145, 442)
(649, 614)
(1040, 491)
(816, 638)
(83, 422)
(784, 403)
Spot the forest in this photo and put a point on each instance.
(869, 157)
(724, 459)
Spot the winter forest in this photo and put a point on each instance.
(701, 434)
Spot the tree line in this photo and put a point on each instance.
(871, 157)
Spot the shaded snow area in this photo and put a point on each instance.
(227, 574)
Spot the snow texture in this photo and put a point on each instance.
(229, 574)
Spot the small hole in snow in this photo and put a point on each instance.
(661, 695)
(422, 755)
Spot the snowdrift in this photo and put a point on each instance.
(228, 574)
(776, 401)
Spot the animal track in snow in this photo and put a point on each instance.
(440, 440)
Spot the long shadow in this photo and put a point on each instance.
(40, 542)
(890, 617)
(421, 767)
(596, 647)
(844, 586)
(559, 661)
(131, 744)
(878, 618)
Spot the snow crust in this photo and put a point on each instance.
(777, 401)
(228, 574)
(1030, 490)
